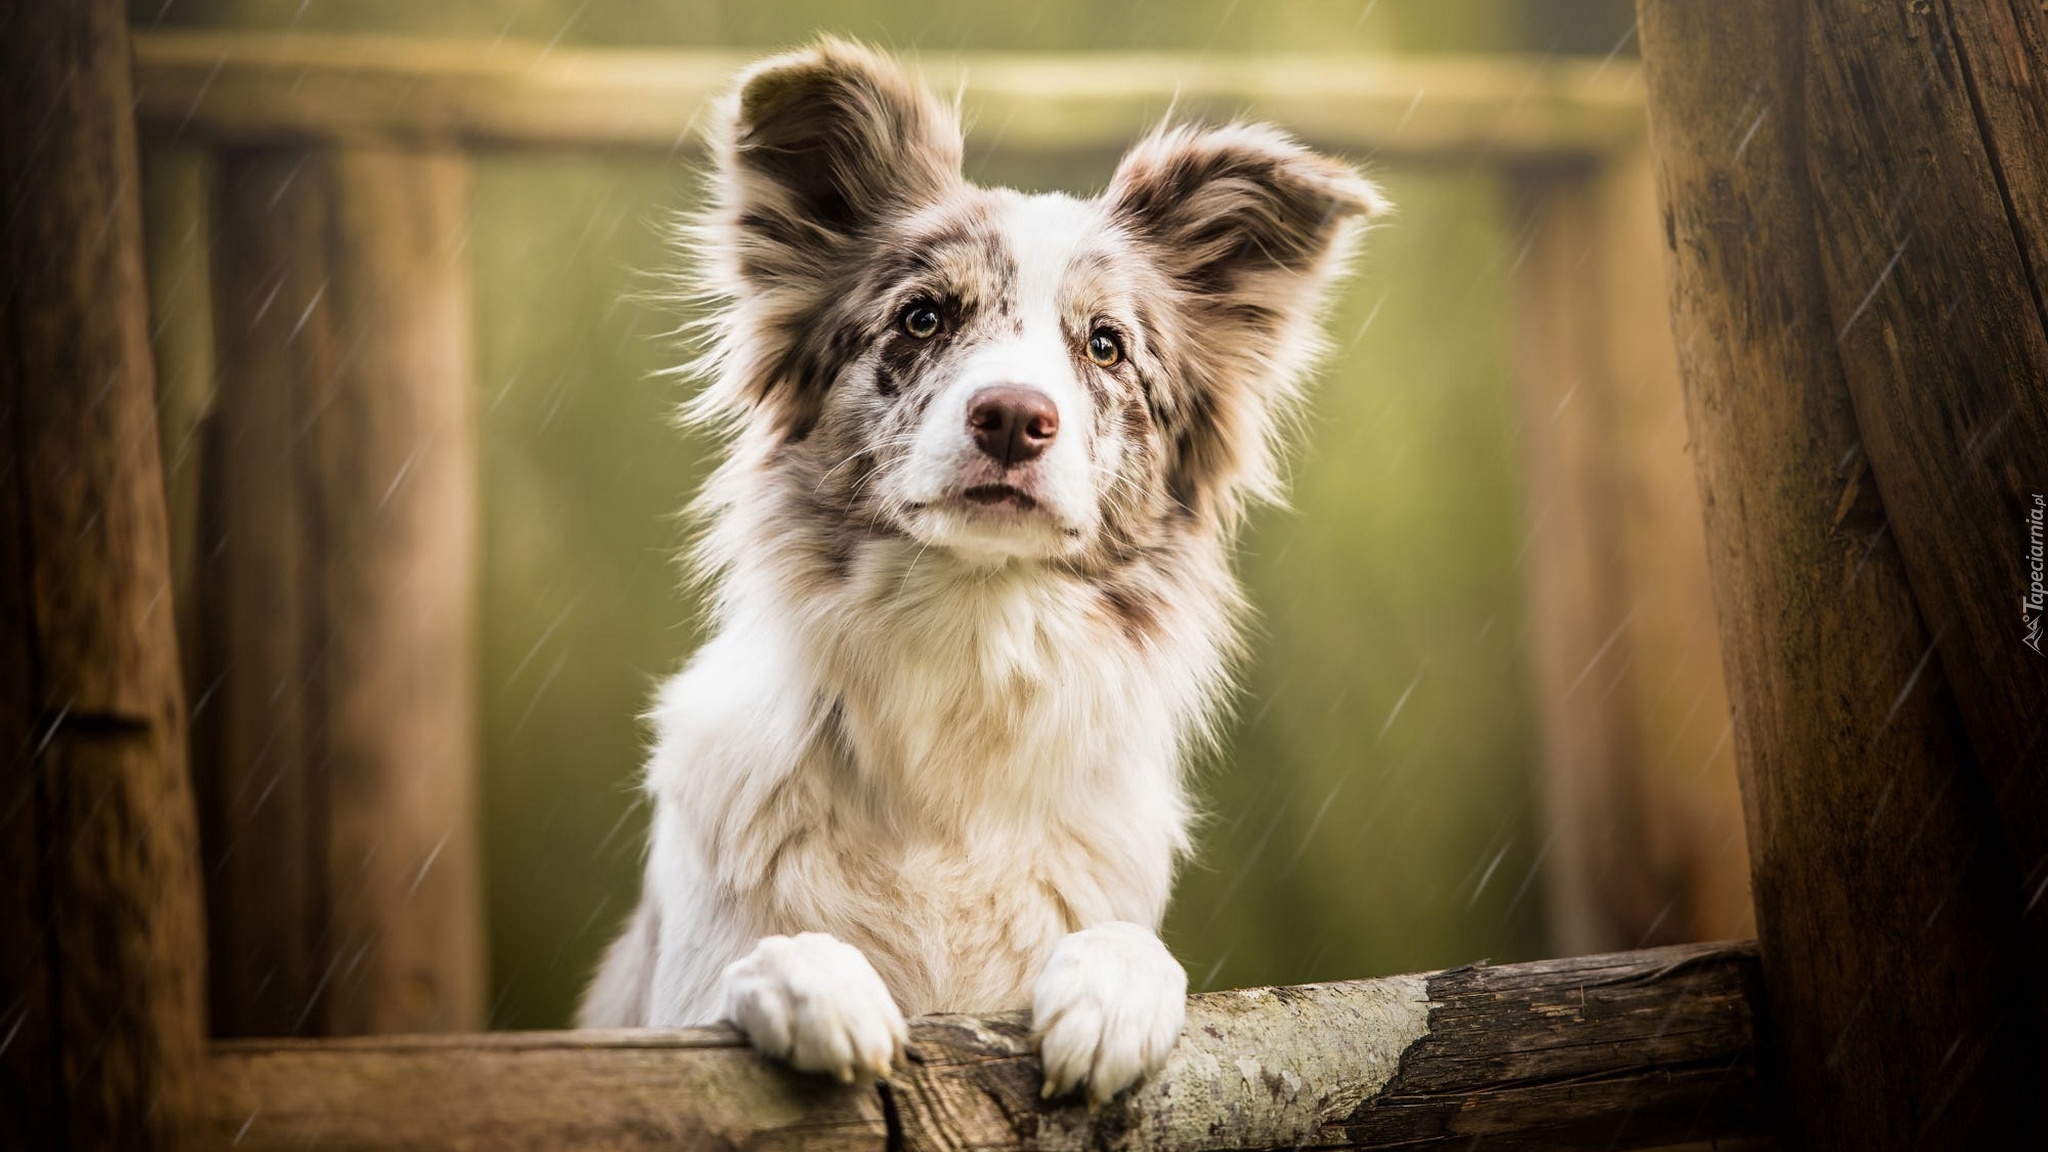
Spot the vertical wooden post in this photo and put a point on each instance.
(177, 184)
(1645, 842)
(101, 1018)
(1902, 1009)
(1927, 142)
(337, 746)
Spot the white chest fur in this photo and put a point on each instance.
(949, 774)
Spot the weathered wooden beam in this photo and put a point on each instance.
(101, 950)
(335, 754)
(558, 1091)
(247, 89)
(1631, 1050)
(1902, 1008)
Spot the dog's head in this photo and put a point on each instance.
(999, 374)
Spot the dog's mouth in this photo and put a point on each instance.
(999, 496)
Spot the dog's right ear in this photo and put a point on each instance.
(835, 138)
(815, 151)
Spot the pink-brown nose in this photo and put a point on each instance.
(1012, 424)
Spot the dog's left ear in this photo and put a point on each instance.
(1250, 228)
(816, 152)
(835, 137)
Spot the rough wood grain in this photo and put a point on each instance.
(1927, 143)
(1630, 1050)
(1635, 1050)
(101, 950)
(336, 749)
(1886, 908)
(256, 89)
(1644, 841)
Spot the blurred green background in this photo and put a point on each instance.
(1374, 809)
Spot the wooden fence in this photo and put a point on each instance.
(1885, 736)
(332, 171)
(1617, 1051)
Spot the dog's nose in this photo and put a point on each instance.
(1012, 424)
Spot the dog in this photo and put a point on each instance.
(968, 562)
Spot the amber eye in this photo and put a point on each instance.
(920, 321)
(1104, 348)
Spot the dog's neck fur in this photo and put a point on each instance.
(967, 761)
(968, 690)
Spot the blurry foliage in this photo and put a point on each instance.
(1373, 810)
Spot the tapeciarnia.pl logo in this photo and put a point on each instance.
(2036, 600)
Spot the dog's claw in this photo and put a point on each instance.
(877, 1067)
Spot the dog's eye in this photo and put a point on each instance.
(1104, 348)
(920, 321)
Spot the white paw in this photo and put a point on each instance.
(1107, 1010)
(817, 1003)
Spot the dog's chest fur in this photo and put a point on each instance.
(949, 773)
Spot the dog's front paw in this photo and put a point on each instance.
(1107, 1010)
(817, 1003)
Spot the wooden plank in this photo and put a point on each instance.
(1927, 139)
(244, 88)
(177, 195)
(1596, 868)
(254, 770)
(1900, 1010)
(337, 745)
(101, 970)
(1644, 840)
(393, 460)
(1635, 1050)
(694, 1091)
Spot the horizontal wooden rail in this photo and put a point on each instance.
(1629, 1050)
(244, 88)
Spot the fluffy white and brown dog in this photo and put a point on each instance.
(969, 553)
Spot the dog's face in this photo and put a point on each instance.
(1003, 375)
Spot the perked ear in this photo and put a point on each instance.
(1250, 229)
(834, 138)
(814, 150)
(1237, 202)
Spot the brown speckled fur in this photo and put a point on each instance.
(948, 737)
